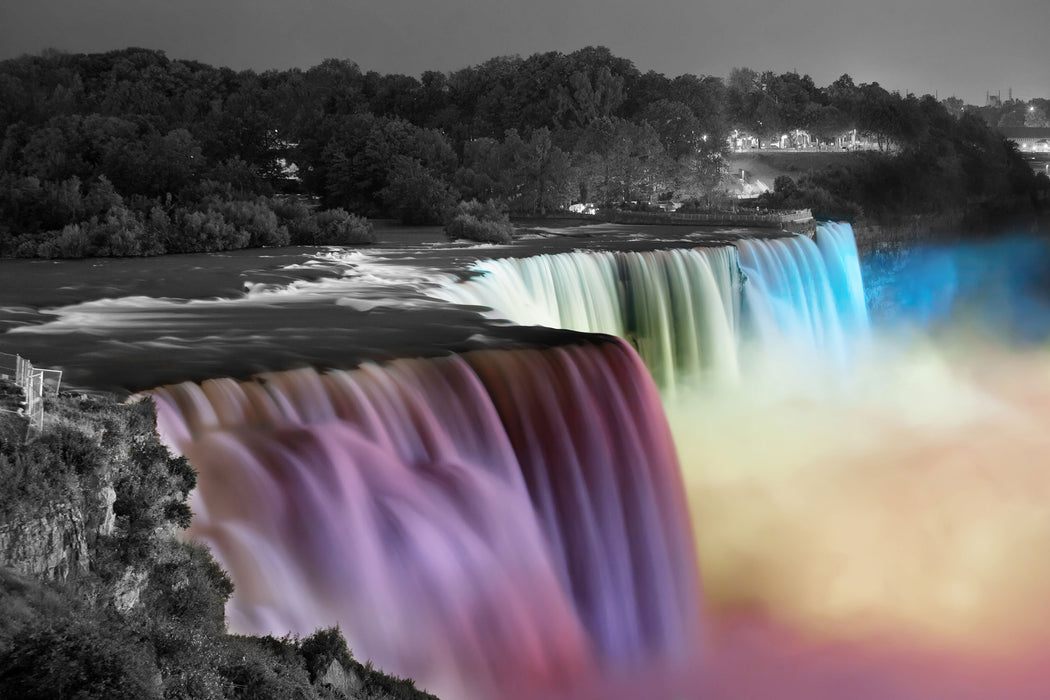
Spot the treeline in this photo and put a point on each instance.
(1007, 113)
(129, 152)
(940, 164)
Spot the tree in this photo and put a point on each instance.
(954, 105)
(588, 99)
(415, 195)
(677, 127)
(1036, 116)
(543, 170)
(878, 114)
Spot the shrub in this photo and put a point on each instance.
(72, 242)
(484, 222)
(473, 229)
(119, 233)
(337, 227)
(206, 232)
(256, 219)
(46, 470)
(74, 449)
(189, 586)
(489, 210)
(84, 660)
(322, 648)
(298, 217)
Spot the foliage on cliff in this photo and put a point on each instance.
(143, 615)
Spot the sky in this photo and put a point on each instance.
(944, 47)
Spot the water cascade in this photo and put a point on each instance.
(690, 312)
(515, 518)
(514, 523)
(803, 294)
(679, 308)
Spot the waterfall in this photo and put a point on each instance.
(513, 518)
(689, 312)
(679, 308)
(514, 522)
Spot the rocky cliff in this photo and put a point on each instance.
(99, 596)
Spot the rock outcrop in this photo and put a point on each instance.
(52, 545)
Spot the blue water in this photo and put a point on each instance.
(998, 287)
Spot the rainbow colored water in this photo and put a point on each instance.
(838, 513)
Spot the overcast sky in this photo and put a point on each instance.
(960, 47)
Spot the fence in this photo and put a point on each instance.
(35, 383)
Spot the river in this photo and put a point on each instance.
(127, 324)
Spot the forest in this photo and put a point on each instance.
(132, 153)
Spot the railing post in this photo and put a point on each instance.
(31, 381)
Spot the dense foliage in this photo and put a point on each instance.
(131, 153)
(143, 617)
(483, 222)
(944, 164)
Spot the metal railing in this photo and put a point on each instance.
(35, 382)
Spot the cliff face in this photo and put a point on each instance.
(55, 544)
(52, 546)
(58, 521)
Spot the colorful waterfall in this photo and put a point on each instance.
(679, 308)
(689, 311)
(512, 518)
(519, 523)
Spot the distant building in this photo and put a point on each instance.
(1031, 139)
(800, 138)
(740, 140)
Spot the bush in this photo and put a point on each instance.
(78, 660)
(484, 222)
(489, 210)
(473, 229)
(257, 219)
(72, 242)
(119, 233)
(206, 232)
(45, 470)
(190, 587)
(337, 227)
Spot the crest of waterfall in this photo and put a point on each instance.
(804, 298)
(689, 311)
(679, 308)
(510, 519)
(838, 248)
